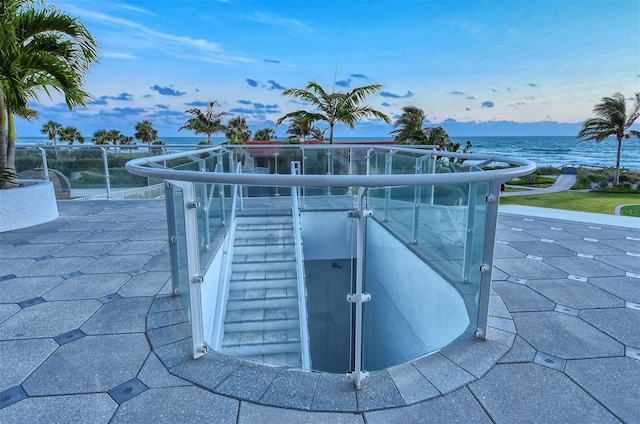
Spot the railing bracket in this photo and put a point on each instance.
(197, 279)
(193, 204)
(355, 213)
(358, 298)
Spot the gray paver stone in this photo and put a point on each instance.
(334, 393)
(378, 392)
(89, 364)
(623, 324)
(292, 389)
(154, 375)
(177, 405)
(124, 315)
(412, 385)
(84, 408)
(456, 407)
(257, 414)
(612, 381)
(443, 374)
(529, 393)
(565, 336)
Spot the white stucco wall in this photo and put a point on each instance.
(27, 206)
(432, 307)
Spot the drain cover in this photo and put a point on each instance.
(127, 390)
(31, 302)
(69, 336)
(11, 396)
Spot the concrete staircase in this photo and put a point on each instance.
(262, 320)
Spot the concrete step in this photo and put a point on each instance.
(264, 226)
(272, 236)
(263, 267)
(263, 242)
(240, 293)
(293, 360)
(260, 248)
(271, 325)
(278, 283)
(261, 304)
(262, 219)
(262, 349)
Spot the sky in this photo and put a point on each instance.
(478, 68)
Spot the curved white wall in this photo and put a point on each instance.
(27, 206)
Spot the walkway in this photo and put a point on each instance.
(86, 313)
(564, 182)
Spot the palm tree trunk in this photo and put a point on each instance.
(331, 133)
(616, 178)
(3, 131)
(11, 141)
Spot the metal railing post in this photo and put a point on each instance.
(45, 164)
(300, 273)
(193, 269)
(388, 166)
(469, 232)
(107, 179)
(491, 220)
(358, 298)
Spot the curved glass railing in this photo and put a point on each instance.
(398, 249)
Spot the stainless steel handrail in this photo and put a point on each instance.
(517, 168)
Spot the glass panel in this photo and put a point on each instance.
(420, 287)
(178, 245)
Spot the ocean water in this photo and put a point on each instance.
(544, 151)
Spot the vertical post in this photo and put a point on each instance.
(491, 217)
(45, 164)
(275, 155)
(205, 206)
(387, 190)
(107, 179)
(223, 214)
(357, 298)
(193, 269)
(329, 167)
(172, 229)
(417, 195)
(469, 231)
(369, 160)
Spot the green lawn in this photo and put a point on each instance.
(579, 201)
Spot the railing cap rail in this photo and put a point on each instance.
(517, 168)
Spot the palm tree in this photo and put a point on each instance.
(612, 120)
(71, 135)
(237, 127)
(335, 107)
(145, 132)
(409, 126)
(264, 134)
(207, 122)
(51, 130)
(100, 137)
(41, 48)
(300, 125)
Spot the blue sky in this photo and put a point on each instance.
(476, 67)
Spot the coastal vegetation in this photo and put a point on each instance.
(41, 49)
(410, 129)
(145, 132)
(205, 121)
(334, 107)
(592, 201)
(612, 119)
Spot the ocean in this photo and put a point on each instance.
(543, 150)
